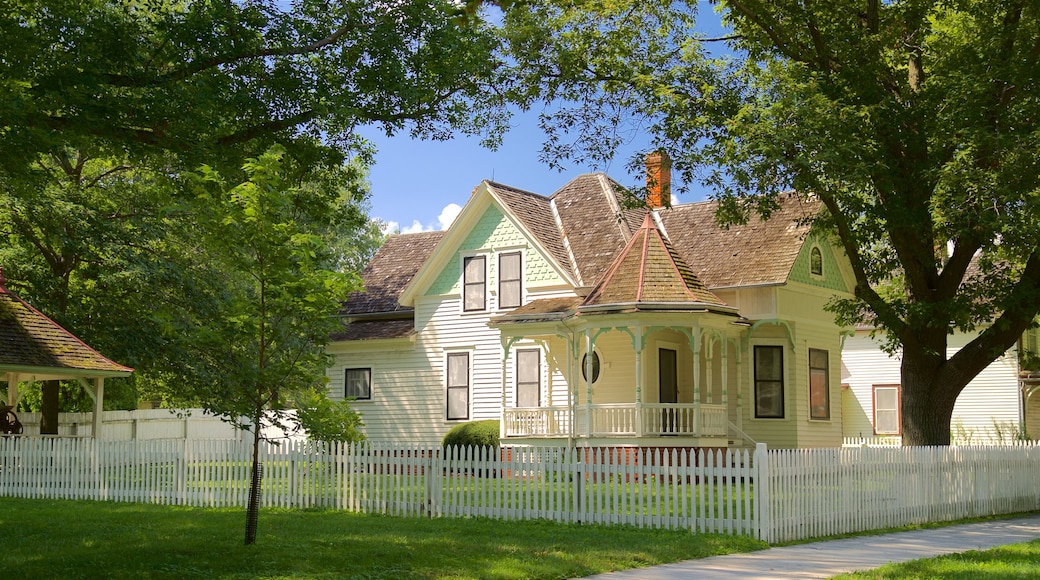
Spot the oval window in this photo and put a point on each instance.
(595, 366)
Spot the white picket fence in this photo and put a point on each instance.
(776, 495)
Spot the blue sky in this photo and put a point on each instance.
(421, 185)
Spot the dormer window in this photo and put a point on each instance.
(474, 288)
(816, 261)
(510, 275)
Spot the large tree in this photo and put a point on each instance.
(201, 78)
(105, 105)
(916, 123)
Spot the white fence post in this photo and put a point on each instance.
(763, 522)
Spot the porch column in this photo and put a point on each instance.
(505, 412)
(738, 347)
(709, 359)
(99, 398)
(588, 384)
(725, 375)
(696, 346)
(12, 389)
(507, 343)
(637, 344)
(572, 385)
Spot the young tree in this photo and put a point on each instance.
(262, 348)
(915, 122)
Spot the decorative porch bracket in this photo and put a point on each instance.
(773, 321)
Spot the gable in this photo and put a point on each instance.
(494, 232)
(832, 278)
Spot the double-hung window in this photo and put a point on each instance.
(458, 386)
(886, 410)
(769, 382)
(474, 287)
(819, 387)
(528, 377)
(357, 384)
(509, 280)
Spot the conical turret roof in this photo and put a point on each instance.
(648, 270)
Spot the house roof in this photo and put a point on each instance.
(375, 329)
(648, 270)
(584, 227)
(389, 272)
(760, 252)
(34, 344)
(593, 223)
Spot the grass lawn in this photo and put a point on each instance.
(82, 539)
(1007, 562)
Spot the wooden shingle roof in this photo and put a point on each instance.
(648, 270)
(389, 272)
(32, 343)
(593, 223)
(760, 252)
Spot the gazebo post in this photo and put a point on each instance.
(12, 389)
(99, 398)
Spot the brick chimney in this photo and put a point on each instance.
(658, 179)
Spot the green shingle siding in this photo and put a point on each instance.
(494, 230)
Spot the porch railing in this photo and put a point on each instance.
(617, 420)
(537, 421)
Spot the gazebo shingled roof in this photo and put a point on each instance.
(35, 345)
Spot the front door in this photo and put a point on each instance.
(668, 374)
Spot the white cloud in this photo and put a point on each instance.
(448, 215)
(444, 220)
(415, 228)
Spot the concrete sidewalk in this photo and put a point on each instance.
(826, 559)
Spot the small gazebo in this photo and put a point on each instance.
(35, 348)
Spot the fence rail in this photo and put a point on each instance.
(776, 495)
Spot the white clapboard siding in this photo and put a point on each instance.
(986, 410)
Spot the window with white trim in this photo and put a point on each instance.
(510, 274)
(458, 379)
(474, 287)
(815, 261)
(769, 382)
(886, 410)
(357, 384)
(528, 377)
(819, 384)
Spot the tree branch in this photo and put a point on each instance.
(1022, 306)
(864, 291)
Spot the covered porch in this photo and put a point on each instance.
(676, 383)
(649, 353)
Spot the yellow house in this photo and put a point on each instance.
(574, 320)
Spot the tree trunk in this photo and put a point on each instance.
(928, 393)
(49, 408)
(253, 509)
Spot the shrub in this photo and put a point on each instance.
(473, 434)
(326, 420)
